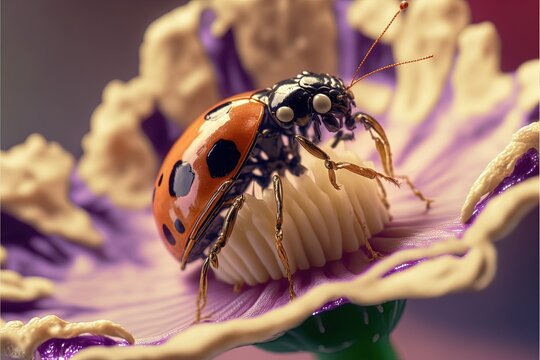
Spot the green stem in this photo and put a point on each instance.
(346, 332)
(380, 350)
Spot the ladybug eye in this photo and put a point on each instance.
(285, 114)
(322, 103)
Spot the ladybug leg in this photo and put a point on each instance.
(341, 136)
(212, 258)
(383, 148)
(192, 239)
(363, 171)
(238, 287)
(366, 172)
(372, 254)
(383, 195)
(333, 166)
(381, 140)
(278, 196)
(416, 191)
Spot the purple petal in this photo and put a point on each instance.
(352, 46)
(66, 348)
(161, 132)
(231, 76)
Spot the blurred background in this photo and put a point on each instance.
(58, 55)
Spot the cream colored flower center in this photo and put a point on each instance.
(320, 223)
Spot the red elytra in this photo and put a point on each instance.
(238, 124)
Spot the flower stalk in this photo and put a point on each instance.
(346, 332)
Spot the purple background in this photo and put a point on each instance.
(57, 56)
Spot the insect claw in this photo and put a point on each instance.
(237, 288)
(416, 191)
(214, 261)
(375, 255)
(332, 177)
(392, 180)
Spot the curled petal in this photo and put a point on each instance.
(21, 340)
(500, 167)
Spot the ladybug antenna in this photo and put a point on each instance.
(389, 67)
(402, 7)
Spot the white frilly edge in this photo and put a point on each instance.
(501, 166)
(20, 340)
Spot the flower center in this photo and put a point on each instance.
(320, 223)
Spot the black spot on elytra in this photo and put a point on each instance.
(170, 238)
(179, 226)
(160, 180)
(222, 158)
(218, 111)
(181, 179)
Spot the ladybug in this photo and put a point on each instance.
(253, 137)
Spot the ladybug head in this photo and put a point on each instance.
(309, 98)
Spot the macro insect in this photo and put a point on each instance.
(257, 137)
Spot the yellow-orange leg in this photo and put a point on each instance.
(383, 148)
(416, 191)
(362, 171)
(372, 254)
(212, 258)
(382, 194)
(278, 196)
(333, 166)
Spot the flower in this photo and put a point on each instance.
(439, 136)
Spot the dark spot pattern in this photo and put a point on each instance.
(218, 111)
(168, 235)
(222, 158)
(179, 226)
(160, 180)
(181, 179)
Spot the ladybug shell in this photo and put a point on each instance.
(211, 151)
